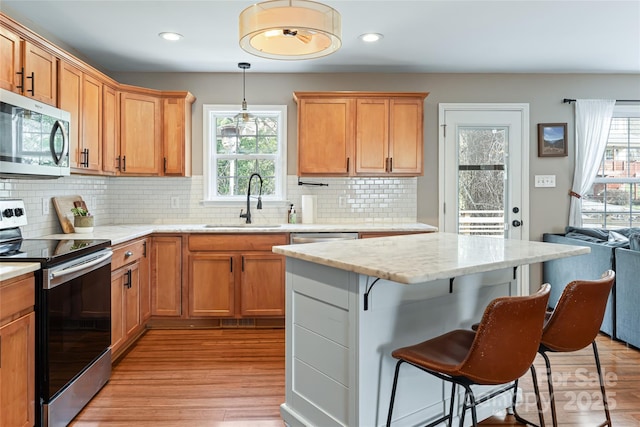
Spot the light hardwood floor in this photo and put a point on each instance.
(235, 378)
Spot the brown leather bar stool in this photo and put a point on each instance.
(499, 352)
(574, 324)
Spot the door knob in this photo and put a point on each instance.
(516, 223)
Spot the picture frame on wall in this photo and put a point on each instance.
(552, 140)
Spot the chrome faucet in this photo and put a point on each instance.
(259, 205)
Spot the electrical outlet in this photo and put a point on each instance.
(94, 203)
(45, 206)
(175, 202)
(545, 180)
(342, 201)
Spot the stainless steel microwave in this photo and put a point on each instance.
(34, 138)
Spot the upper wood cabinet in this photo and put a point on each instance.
(81, 95)
(140, 134)
(176, 134)
(325, 135)
(27, 69)
(360, 133)
(110, 130)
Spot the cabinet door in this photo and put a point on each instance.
(92, 122)
(176, 137)
(140, 134)
(166, 276)
(372, 136)
(132, 299)
(41, 74)
(110, 128)
(118, 278)
(262, 285)
(70, 99)
(325, 136)
(406, 136)
(211, 285)
(17, 377)
(11, 61)
(145, 285)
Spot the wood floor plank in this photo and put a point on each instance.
(235, 378)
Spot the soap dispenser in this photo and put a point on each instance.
(292, 215)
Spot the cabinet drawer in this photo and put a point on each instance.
(236, 242)
(16, 296)
(127, 253)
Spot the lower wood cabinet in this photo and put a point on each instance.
(235, 275)
(130, 290)
(166, 276)
(17, 352)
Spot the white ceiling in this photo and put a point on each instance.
(425, 36)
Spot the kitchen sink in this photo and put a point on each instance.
(243, 226)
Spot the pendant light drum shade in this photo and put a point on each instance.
(290, 29)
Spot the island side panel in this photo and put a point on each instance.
(400, 315)
(318, 346)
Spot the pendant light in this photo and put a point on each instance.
(290, 29)
(243, 117)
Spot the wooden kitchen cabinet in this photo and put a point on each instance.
(140, 134)
(17, 352)
(27, 68)
(129, 288)
(326, 129)
(81, 95)
(166, 276)
(110, 130)
(176, 133)
(236, 275)
(360, 133)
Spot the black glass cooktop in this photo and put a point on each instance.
(49, 251)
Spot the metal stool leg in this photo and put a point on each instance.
(605, 403)
(552, 400)
(393, 392)
(536, 390)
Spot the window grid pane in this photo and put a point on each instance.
(613, 201)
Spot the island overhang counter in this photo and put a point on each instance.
(351, 303)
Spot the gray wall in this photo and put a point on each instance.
(543, 92)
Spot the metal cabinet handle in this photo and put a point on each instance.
(21, 85)
(33, 83)
(128, 254)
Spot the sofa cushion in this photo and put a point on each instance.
(614, 239)
(634, 242)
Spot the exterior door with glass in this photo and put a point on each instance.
(484, 170)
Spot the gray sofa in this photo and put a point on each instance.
(618, 250)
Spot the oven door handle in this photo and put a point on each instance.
(80, 267)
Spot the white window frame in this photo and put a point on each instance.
(619, 110)
(209, 157)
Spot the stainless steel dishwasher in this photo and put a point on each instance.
(299, 238)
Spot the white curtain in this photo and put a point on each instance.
(593, 119)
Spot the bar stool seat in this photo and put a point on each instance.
(498, 353)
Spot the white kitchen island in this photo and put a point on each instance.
(350, 303)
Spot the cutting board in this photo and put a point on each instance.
(63, 207)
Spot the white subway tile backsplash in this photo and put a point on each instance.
(125, 200)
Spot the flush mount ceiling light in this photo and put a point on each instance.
(243, 117)
(290, 29)
(170, 36)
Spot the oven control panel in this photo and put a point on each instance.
(12, 213)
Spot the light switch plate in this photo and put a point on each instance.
(545, 180)
(175, 202)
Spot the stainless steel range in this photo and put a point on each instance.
(73, 314)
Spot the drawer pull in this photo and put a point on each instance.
(128, 254)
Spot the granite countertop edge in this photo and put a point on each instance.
(125, 232)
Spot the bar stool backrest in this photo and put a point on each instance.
(576, 320)
(507, 338)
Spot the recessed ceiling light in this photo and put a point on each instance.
(371, 37)
(171, 36)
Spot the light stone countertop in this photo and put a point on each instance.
(122, 233)
(9, 270)
(418, 258)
